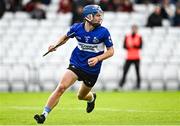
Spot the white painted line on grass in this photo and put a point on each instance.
(97, 109)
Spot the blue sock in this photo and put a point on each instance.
(46, 111)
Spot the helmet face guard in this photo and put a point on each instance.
(91, 10)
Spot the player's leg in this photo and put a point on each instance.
(68, 79)
(125, 70)
(137, 67)
(85, 93)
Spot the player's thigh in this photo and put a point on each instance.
(84, 90)
(68, 79)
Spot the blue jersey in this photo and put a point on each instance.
(90, 44)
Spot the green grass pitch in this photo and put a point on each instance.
(112, 108)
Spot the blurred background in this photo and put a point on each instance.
(28, 27)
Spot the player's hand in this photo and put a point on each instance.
(51, 48)
(93, 61)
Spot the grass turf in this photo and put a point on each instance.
(112, 108)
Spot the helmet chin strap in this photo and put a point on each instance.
(90, 22)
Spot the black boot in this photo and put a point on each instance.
(39, 118)
(91, 105)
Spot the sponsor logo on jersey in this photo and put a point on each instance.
(91, 47)
(88, 47)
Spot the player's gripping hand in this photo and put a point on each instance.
(51, 48)
(93, 61)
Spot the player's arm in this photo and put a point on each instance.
(62, 40)
(93, 61)
(125, 44)
(141, 44)
(107, 54)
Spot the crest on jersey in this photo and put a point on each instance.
(95, 40)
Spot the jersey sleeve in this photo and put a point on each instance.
(107, 39)
(71, 32)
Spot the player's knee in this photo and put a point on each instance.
(61, 89)
(80, 97)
